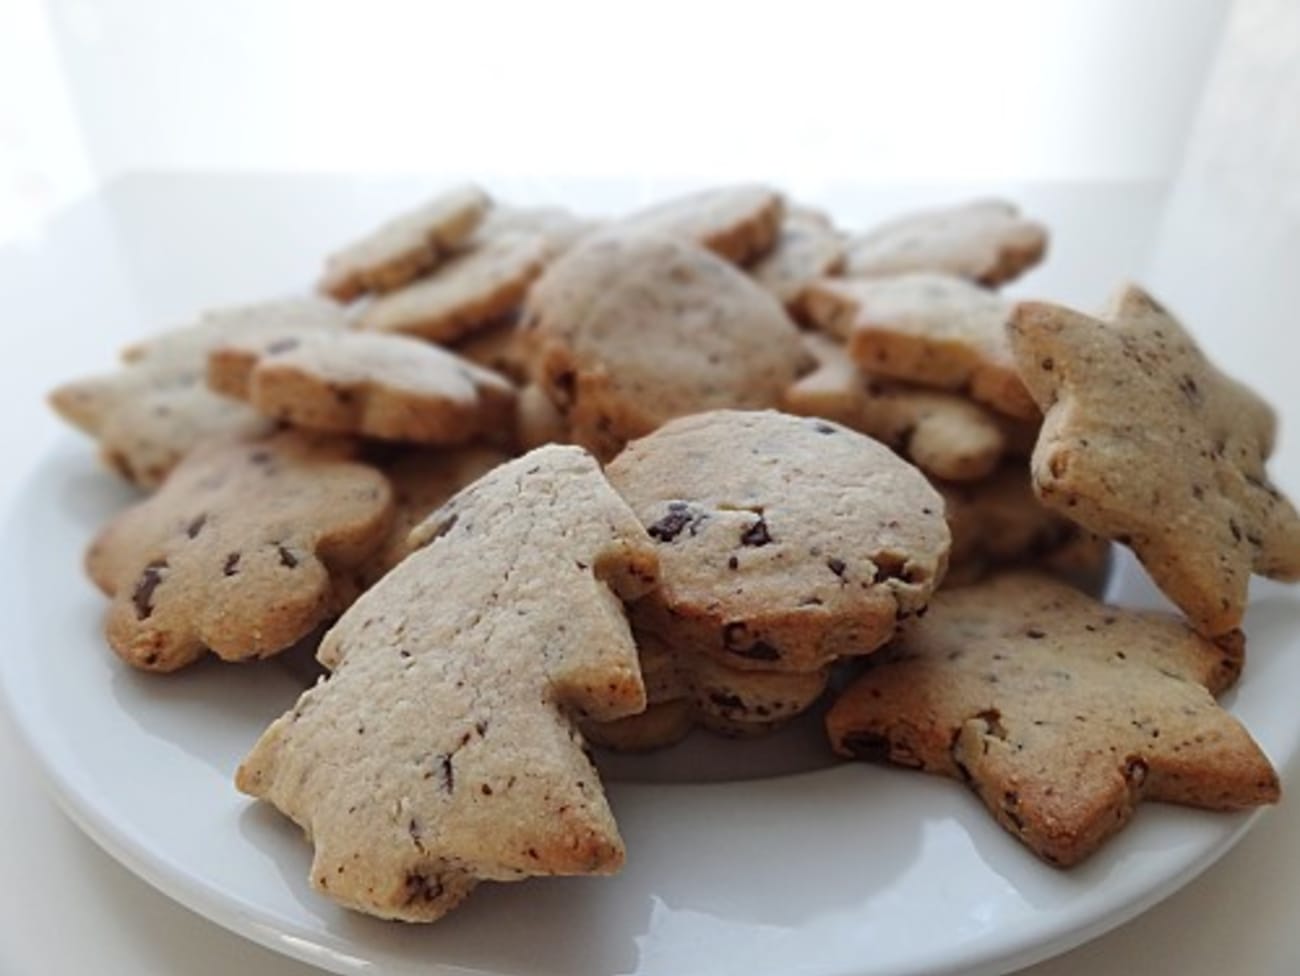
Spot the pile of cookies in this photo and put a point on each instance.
(550, 481)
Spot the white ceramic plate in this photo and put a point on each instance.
(748, 858)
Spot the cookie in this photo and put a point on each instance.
(407, 246)
(784, 542)
(633, 330)
(808, 248)
(500, 347)
(537, 420)
(739, 223)
(557, 227)
(384, 386)
(659, 726)
(149, 414)
(467, 293)
(1145, 442)
(943, 434)
(442, 750)
(929, 329)
(999, 522)
(422, 482)
(673, 672)
(986, 241)
(1061, 713)
(241, 552)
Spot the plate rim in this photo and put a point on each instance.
(330, 953)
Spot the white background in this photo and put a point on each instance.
(803, 93)
(1201, 94)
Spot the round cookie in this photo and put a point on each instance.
(633, 330)
(739, 223)
(662, 724)
(784, 542)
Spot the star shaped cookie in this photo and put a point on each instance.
(1147, 443)
(1061, 713)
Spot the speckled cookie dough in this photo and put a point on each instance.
(407, 246)
(784, 542)
(633, 330)
(986, 241)
(422, 482)
(930, 329)
(242, 551)
(998, 522)
(943, 434)
(1145, 442)
(1061, 713)
(156, 408)
(382, 386)
(807, 249)
(443, 750)
(739, 223)
(469, 292)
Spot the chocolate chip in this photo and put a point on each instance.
(836, 566)
(822, 427)
(1047, 363)
(724, 700)
(447, 774)
(149, 579)
(1035, 634)
(282, 345)
(733, 563)
(287, 558)
(421, 887)
(866, 745)
(680, 516)
(196, 526)
(1135, 771)
(231, 566)
(756, 534)
(445, 526)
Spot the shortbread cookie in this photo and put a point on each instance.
(537, 420)
(1145, 442)
(926, 328)
(1060, 712)
(241, 552)
(943, 434)
(632, 330)
(501, 347)
(442, 750)
(808, 248)
(739, 223)
(986, 241)
(156, 408)
(470, 292)
(407, 246)
(999, 522)
(785, 542)
(422, 482)
(673, 672)
(661, 725)
(559, 228)
(385, 386)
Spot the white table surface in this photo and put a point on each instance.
(151, 249)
